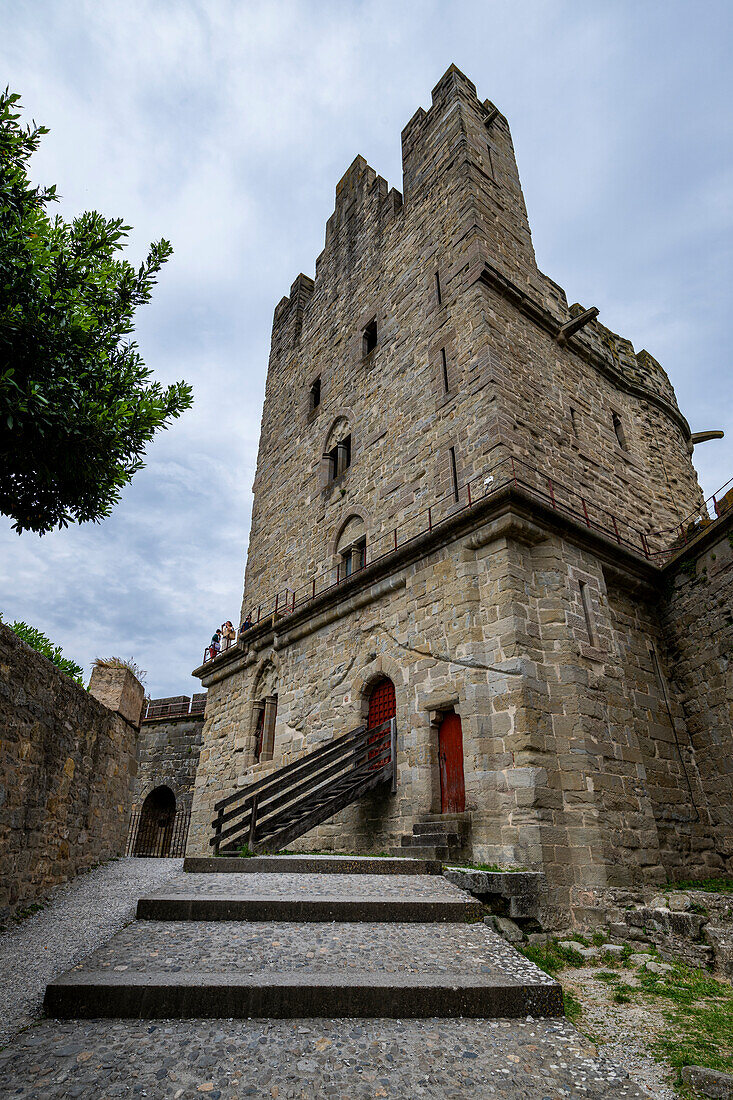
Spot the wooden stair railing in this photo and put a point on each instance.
(269, 814)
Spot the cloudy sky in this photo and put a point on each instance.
(224, 126)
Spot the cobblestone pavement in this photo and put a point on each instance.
(77, 918)
(229, 946)
(285, 884)
(308, 1059)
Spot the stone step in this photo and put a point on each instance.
(295, 970)
(441, 826)
(428, 851)
(309, 897)
(244, 907)
(441, 840)
(311, 864)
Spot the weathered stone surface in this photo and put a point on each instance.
(168, 754)
(708, 1082)
(720, 937)
(67, 763)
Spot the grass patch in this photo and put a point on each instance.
(551, 957)
(709, 885)
(573, 1007)
(699, 1019)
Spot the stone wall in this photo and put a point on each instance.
(698, 623)
(67, 763)
(570, 762)
(168, 751)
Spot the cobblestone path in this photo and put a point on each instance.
(305, 1059)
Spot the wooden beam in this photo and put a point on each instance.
(575, 324)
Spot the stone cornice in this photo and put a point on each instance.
(509, 512)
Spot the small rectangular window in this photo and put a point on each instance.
(315, 395)
(438, 293)
(588, 612)
(454, 472)
(370, 337)
(444, 367)
(490, 161)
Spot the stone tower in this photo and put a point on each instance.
(463, 487)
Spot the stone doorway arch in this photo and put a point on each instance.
(155, 831)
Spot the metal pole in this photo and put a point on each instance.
(618, 537)
(430, 519)
(585, 511)
(643, 543)
(395, 538)
(393, 751)
(468, 486)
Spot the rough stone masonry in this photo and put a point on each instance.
(472, 489)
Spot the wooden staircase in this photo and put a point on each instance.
(268, 815)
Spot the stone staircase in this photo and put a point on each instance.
(331, 937)
(437, 837)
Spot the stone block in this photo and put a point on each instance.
(708, 1082)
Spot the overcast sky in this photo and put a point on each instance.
(225, 128)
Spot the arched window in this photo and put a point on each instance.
(337, 451)
(351, 547)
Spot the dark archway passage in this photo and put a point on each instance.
(155, 830)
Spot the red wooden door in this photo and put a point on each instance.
(382, 707)
(450, 754)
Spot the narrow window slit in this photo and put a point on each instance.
(454, 472)
(620, 433)
(438, 292)
(444, 365)
(588, 612)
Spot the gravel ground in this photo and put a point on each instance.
(309, 1060)
(621, 1032)
(284, 884)
(165, 947)
(79, 917)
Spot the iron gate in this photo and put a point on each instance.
(150, 835)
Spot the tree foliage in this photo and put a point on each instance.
(37, 640)
(77, 406)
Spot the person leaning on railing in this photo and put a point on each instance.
(246, 625)
(214, 645)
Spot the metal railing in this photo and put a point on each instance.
(192, 707)
(157, 835)
(543, 487)
(211, 651)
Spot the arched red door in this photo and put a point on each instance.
(382, 707)
(450, 755)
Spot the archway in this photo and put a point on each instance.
(155, 830)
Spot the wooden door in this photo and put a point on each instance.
(382, 707)
(450, 755)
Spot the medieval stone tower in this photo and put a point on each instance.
(465, 496)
